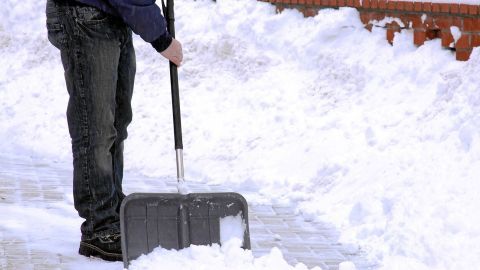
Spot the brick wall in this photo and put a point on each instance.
(428, 20)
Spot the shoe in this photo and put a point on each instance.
(108, 247)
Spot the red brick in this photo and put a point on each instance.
(447, 39)
(454, 8)
(427, 7)
(432, 33)
(366, 3)
(350, 3)
(301, 2)
(435, 7)
(445, 8)
(419, 37)
(391, 5)
(457, 21)
(309, 12)
(471, 24)
(406, 19)
(429, 23)
(332, 3)
(463, 42)
(400, 5)
(373, 3)
(463, 55)
(382, 4)
(473, 10)
(357, 3)
(317, 2)
(475, 40)
(464, 9)
(342, 3)
(365, 17)
(309, 2)
(391, 34)
(417, 22)
(443, 22)
(417, 6)
(409, 6)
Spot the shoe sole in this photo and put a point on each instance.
(89, 250)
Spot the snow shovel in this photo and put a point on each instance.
(176, 221)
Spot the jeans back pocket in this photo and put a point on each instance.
(91, 15)
(56, 32)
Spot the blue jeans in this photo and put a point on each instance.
(99, 62)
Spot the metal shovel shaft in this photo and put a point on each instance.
(180, 171)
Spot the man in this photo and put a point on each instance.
(95, 41)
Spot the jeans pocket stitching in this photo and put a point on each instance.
(54, 27)
(57, 35)
(92, 13)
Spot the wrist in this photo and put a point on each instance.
(161, 43)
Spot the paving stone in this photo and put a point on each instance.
(19, 266)
(262, 209)
(46, 267)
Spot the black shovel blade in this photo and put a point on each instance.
(175, 221)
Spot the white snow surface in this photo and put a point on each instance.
(318, 113)
(229, 256)
(232, 227)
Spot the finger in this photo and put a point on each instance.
(176, 61)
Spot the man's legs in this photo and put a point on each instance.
(93, 48)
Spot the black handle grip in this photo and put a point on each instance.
(177, 121)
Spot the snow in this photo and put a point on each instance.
(456, 33)
(229, 256)
(232, 227)
(52, 229)
(346, 266)
(381, 141)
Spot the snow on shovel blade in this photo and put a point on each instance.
(175, 221)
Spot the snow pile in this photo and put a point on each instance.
(382, 141)
(232, 227)
(229, 256)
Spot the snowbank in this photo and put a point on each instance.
(382, 141)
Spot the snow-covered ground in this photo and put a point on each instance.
(382, 141)
(227, 257)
